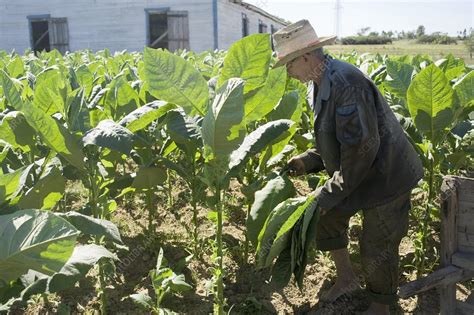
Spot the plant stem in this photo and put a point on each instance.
(426, 219)
(219, 304)
(246, 244)
(195, 212)
(97, 213)
(150, 209)
(170, 187)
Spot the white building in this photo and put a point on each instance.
(69, 25)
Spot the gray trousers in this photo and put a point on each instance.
(382, 230)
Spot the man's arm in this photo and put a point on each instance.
(358, 135)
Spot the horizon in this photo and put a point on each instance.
(386, 15)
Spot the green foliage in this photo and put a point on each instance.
(210, 119)
(366, 40)
(172, 79)
(165, 282)
(36, 240)
(249, 59)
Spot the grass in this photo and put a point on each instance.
(407, 47)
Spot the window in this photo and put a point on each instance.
(245, 25)
(168, 29)
(48, 33)
(273, 29)
(262, 28)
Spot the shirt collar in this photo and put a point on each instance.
(325, 87)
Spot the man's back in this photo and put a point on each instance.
(358, 135)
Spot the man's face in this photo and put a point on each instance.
(298, 68)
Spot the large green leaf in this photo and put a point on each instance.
(85, 78)
(431, 102)
(173, 79)
(10, 91)
(12, 183)
(400, 78)
(46, 192)
(260, 103)
(143, 300)
(222, 128)
(83, 258)
(15, 130)
(303, 211)
(34, 239)
(149, 177)
(145, 115)
(256, 141)
(275, 191)
(465, 89)
(109, 134)
(249, 59)
(55, 135)
(281, 271)
(51, 92)
(277, 147)
(92, 226)
(289, 107)
(184, 131)
(276, 219)
(15, 67)
(121, 98)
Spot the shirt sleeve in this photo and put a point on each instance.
(358, 135)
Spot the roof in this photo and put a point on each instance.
(258, 10)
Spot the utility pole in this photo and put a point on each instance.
(337, 19)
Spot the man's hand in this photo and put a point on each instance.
(296, 166)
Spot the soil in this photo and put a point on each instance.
(248, 290)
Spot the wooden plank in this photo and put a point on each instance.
(466, 206)
(465, 189)
(464, 308)
(465, 242)
(464, 228)
(449, 208)
(441, 277)
(464, 260)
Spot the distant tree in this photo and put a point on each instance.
(374, 34)
(363, 31)
(420, 31)
(410, 35)
(389, 34)
(464, 34)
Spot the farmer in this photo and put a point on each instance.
(372, 165)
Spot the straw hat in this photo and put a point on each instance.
(296, 40)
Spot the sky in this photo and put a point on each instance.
(436, 15)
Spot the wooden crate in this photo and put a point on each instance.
(457, 247)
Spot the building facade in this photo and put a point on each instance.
(198, 25)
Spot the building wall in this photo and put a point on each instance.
(230, 22)
(99, 24)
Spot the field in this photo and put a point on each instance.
(154, 183)
(407, 47)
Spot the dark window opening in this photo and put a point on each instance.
(48, 33)
(40, 36)
(168, 30)
(158, 30)
(262, 28)
(245, 25)
(273, 29)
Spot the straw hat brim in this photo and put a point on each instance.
(293, 55)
